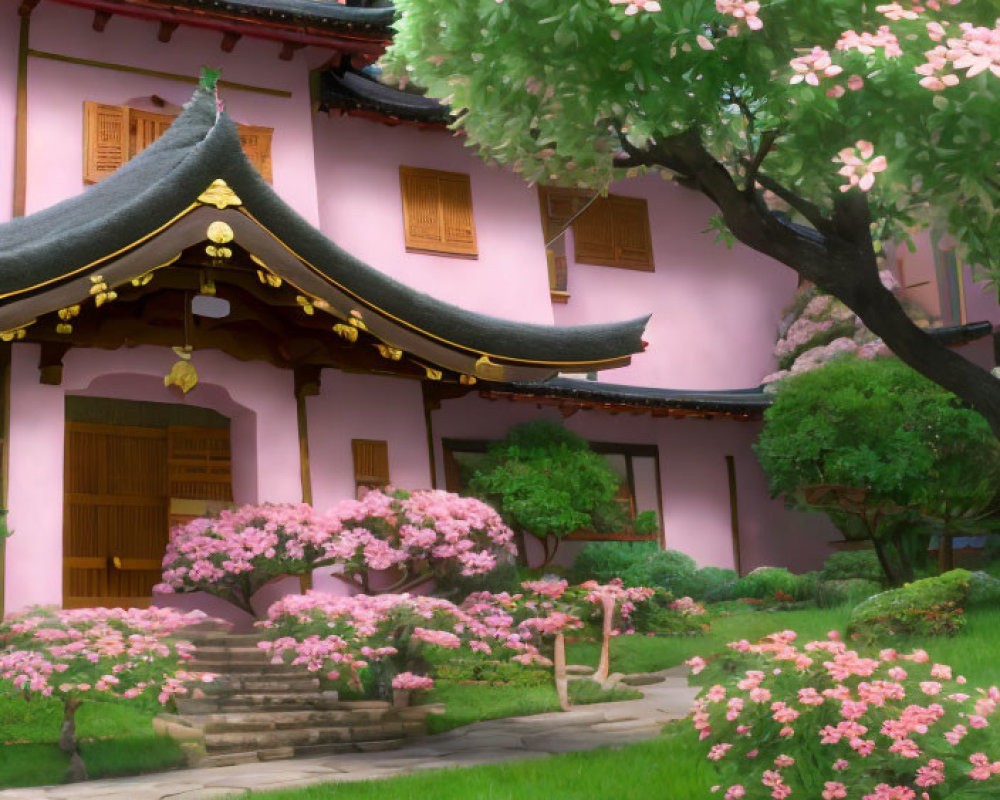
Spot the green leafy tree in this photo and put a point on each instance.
(874, 442)
(546, 482)
(819, 130)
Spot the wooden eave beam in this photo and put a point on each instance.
(289, 49)
(220, 21)
(166, 31)
(101, 20)
(26, 7)
(229, 40)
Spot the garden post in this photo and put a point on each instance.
(562, 683)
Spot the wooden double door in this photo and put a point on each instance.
(125, 487)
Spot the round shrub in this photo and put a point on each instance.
(851, 564)
(984, 590)
(928, 607)
(849, 591)
(711, 584)
(602, 561)
(663, 569)
(770, 583)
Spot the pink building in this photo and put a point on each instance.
(362, 299)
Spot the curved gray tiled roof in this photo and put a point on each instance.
(374, 16)
(45, 250)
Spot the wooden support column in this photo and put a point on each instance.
(307, 383)
(50, 363)
(431, 403)
(166, 31)
(229, 40)
(21, 125)
(5, 355)
(101, 20)
(734, 515)
(288, 50)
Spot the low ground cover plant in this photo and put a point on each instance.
(825, 721)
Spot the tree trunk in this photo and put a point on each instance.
(604, 665)
(562, 682)
(836, 253)
(67, 739)
(946, 552)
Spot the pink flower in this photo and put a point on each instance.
(814, 65)
(411, 682)
(635, 6)
(741, 10)
(860, 165)
(834, 790)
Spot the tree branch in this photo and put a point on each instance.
(810, 211)
(754, 166)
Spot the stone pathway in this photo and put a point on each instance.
(492, 741)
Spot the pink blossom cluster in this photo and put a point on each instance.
(861, 165)
(892, 726)
(98, 652)
(870, 43)
(422, 535)
(743, 11)
(976, 50)
(688, 607)
(635, 6)
(410, 682)
(813, 67)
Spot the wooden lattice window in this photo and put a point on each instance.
(371, 462)
(437, 211)
(610, 231)
(114, 134)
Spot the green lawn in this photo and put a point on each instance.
(117, 739)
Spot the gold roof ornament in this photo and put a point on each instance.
(306, 303)
(182, 374)
(467, 380)
(264, 274)
(219, 195)
(389, 352)
(346, 332)
(100, 292)
(433, 374)
(15, 334)
(489, 371)
(356, 321)
(220, 232)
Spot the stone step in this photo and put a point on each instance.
(243, 741)
(242, 654)
(227, 667)
(234, 683)
(239, 721)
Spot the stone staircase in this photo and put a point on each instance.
(258, 711)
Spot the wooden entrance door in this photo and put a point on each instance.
(125, 487)
(115, 514)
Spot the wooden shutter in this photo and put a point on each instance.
(105, 140)
(145, 128)
(633, 243)
(437, 211)
(593, 234)
(256, 143)
(371, 462)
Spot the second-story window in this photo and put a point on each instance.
(114, 134)
(437, 212)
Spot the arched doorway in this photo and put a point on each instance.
(133, 469)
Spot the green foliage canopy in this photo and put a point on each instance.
(880, 427)
(556, 89)
(546, 481)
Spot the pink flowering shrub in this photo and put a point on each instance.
(363, 642)
(824, 722)
(91, 654)
(419, 535)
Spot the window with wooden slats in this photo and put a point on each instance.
(114, 134)
(437, 212)
(610, 231)
(371, 463)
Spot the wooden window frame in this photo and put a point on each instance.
(630, 451)
(442, 244)
(612, 210)
(371, 480)
(134, 139)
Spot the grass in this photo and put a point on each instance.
(466, 703)
(116, 739)
(669, 767)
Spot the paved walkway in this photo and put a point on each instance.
(584, 728)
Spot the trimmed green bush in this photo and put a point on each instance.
(848, 591)
(771, 583)
(656, 616)
(602, 561)
(984, 590)
(853, 564)
(661, 569)
(711, 584)
(928, 607)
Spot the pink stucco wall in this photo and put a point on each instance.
(715, 310)
(9, 31)
(259, 399)
(57, 90)
(352, 406)
(694, 479)
(361, 209)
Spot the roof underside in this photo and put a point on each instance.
(353, 91)
(138, 218)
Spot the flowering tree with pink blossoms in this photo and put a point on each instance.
(819, 130)
(893, 727)
(419, 536)
(93, 654)
(613, 598)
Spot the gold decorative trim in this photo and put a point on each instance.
(16, 334)
(487, 370)
(389, 352)
(433, 374)
(617, 360)
(346, 332)
(219, 194)
(467, 380)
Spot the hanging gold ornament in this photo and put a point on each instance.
(183, 374)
